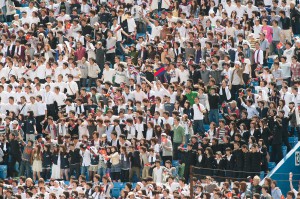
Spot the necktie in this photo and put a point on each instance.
(257, 57)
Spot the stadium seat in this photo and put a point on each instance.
(175, 163)
(3, 171)
(293, 141)
(115, 192)
(206, 127)
(284, 150)
(262, 175)
(271, 165)
(118, 185)
(133, 185)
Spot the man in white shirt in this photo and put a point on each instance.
(155, 28)
(250, 8)
(23, 106)
(157, 174)
(240, 9)
(70, 106)
(59, 97)
(41, 113)
(258, 55)
(3, 95)
(49, 100)
(72, 87)
(198, 116)
(12, 106)
(86, 160)
(229, 7)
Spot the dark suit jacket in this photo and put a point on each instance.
(10, 53)
(145, 55)
(195, 76)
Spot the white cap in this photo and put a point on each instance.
(237, 63)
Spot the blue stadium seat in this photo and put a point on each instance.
(284, 150)
(133, 185)
(118, 185)
(175, 163)
(293, 141)
(262, 175)
(3, 171)
(271, 165)
(115, 192)
(206, 127)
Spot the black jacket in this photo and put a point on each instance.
(46, 159)
(135, 159)
(255, 161)
(195, 76)
(239, 159)
(75, 156)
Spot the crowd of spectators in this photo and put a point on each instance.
(147, 93)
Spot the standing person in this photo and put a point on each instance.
(94, 162)
(64, 162)
(30, 127)
(100, 56)
(295, 17)
(25, 166)
(36, 160)
(286, 27)
(135, 162)
(236, 80)
(124, 164)
(213, 99)
(179, 137)
(190, 159)
(14, 152)
(110, 47)
(41, 113)
(198, 112)
(93, 71)
(55, 172)
(157, 174)
(46, 161)
(115, 164)
(167, 148)
(276, 155)
(75, 159)
(86, 160)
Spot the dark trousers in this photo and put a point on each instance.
(276, 153)
(115, 176)
(92, 80)
(234, 91)
(82, 82)
(124, 175)
(198, 127)
(39, 126)
(176, 151)
(75, 170)
(51, 110)
(11, 165)
(110, 57)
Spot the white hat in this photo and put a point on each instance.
(163, 134)
(15, 122)
(211, 12)
(93, 149)
(237, 63)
